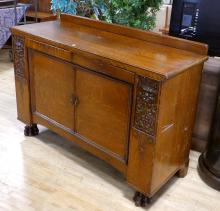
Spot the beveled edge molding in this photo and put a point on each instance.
(146, 107)
(18, 51)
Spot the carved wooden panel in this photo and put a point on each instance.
(18, 50)
(146, 106)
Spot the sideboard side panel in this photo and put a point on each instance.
(178, 104)
(21, 79)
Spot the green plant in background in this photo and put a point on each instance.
(74, 7)
(65, 6)
(135, 13)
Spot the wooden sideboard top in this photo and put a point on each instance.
(145, 51)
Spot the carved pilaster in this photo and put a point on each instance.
(18, 50)
(146, 106)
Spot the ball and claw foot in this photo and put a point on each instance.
(31, 130)
(141, 200)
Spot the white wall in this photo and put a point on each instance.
(163, 17)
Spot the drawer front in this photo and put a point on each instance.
(49, 49)
(84, 60)
(100, 65)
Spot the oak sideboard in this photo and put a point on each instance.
(125, 95)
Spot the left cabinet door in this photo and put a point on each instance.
(52, 88)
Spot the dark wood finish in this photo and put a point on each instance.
(21, 79)
(141, 200)
(43, 5)
(125, 95)
(206, 106)
(19, 63)
(207, 176)
(31, 130)
(146, 106)
(6, 3)
(44, 12)
(209, 161)
(41, 16)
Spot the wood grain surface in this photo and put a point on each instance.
(129, 100)
(50, 173)
(146, 55)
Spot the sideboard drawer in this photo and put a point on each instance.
(89, 61)
(49, 49)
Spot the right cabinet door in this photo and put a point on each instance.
(103, 112)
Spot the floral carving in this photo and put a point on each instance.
(146, 106)
(18, 49)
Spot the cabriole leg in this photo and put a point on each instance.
(31, 130)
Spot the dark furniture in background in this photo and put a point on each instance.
(206, 106)
(7, 3)
(43, 12)
(209, 161)
(197, 20)
(13, 13)
(200, 20)
(125, 95)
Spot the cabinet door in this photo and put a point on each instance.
(103, 112)
(52, 87)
